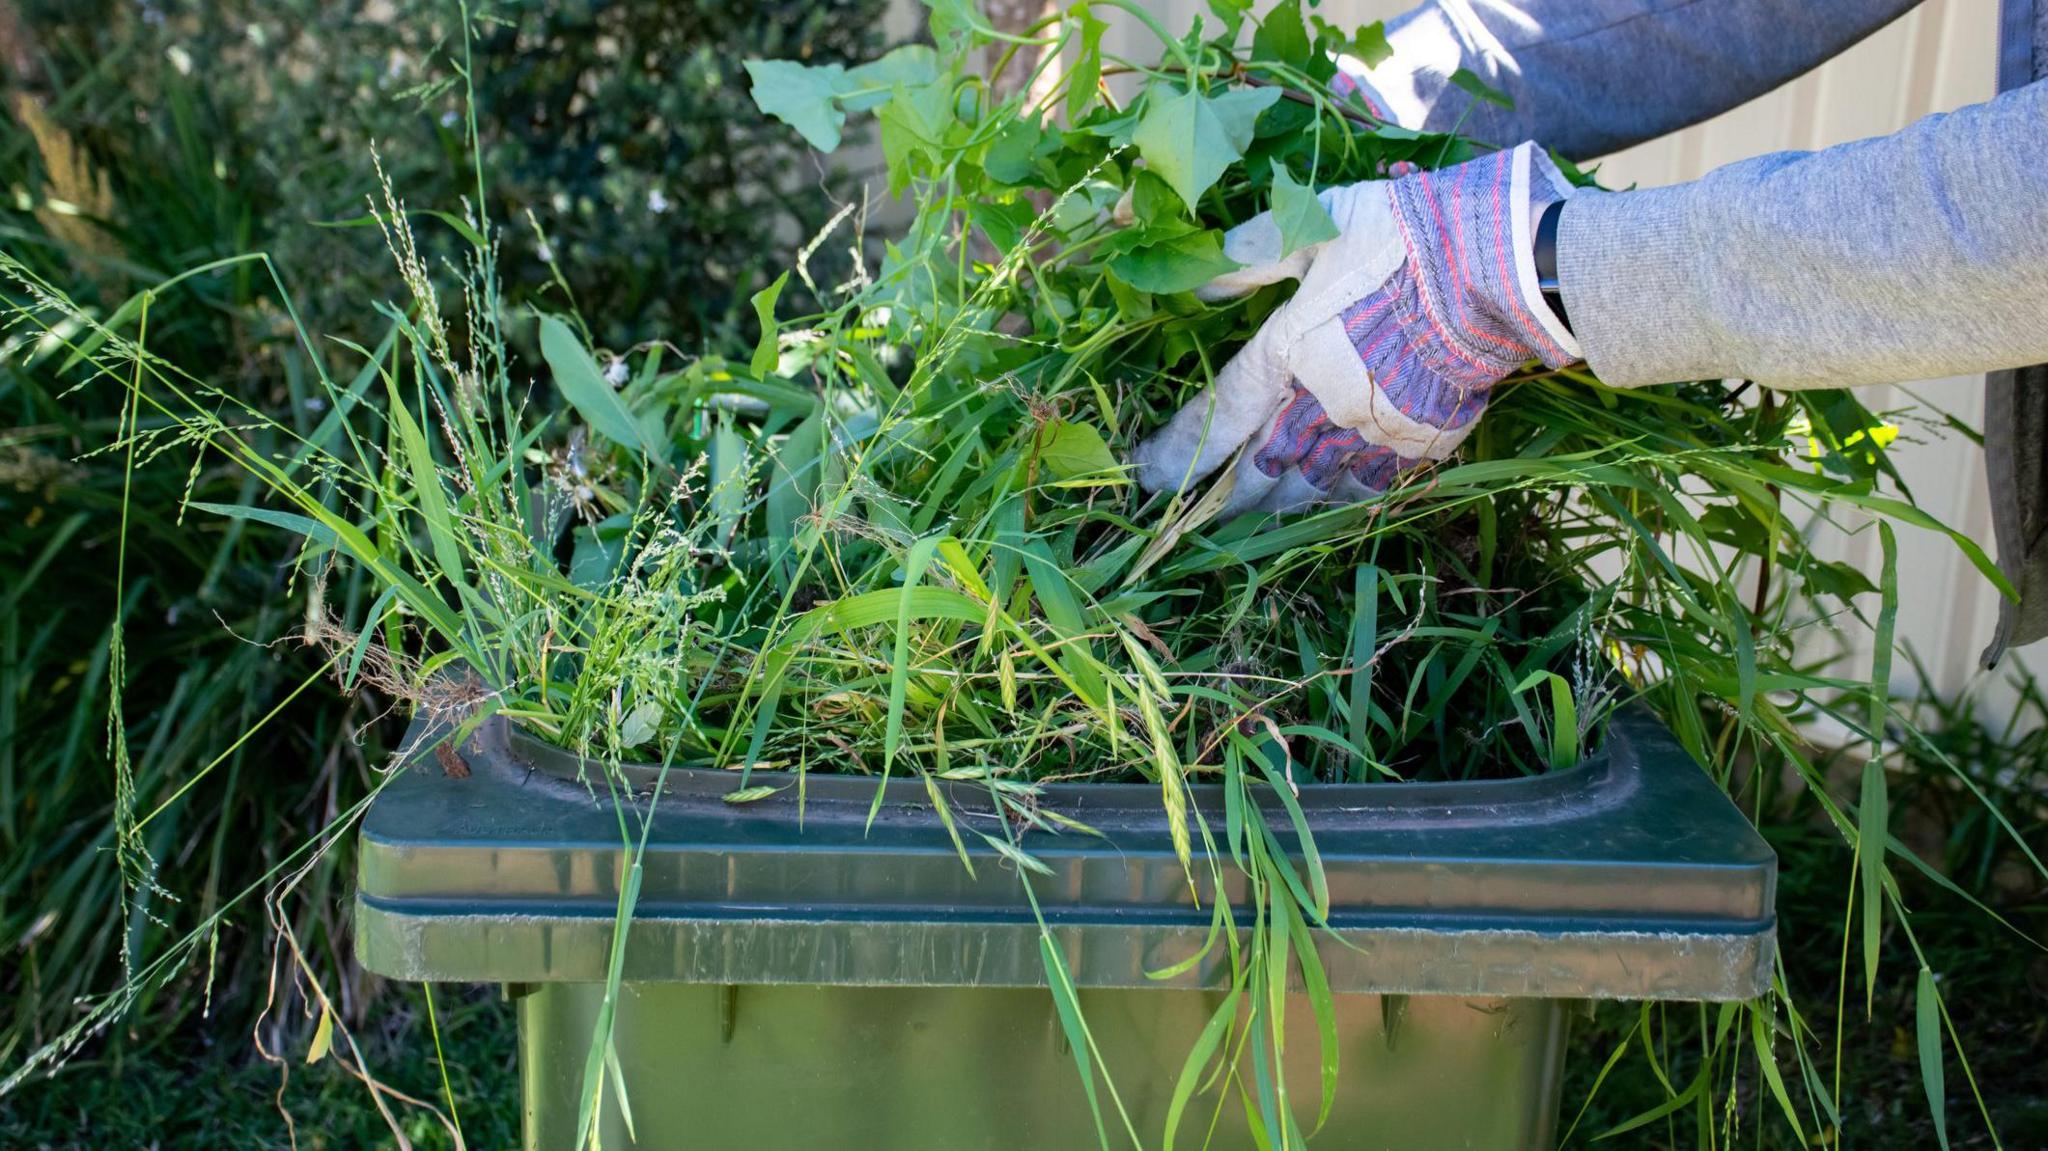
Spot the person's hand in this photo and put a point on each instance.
(1387, 352)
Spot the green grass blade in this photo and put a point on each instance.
(1767, 1062)
(1927, 1029)
(1069, 1009)
(1198, 1058)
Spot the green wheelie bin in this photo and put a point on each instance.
(796, 977)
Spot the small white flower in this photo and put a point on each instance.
(180, 59)
(615, 373)
(657, 203)
(450, 118)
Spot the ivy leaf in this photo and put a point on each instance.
(1301, 216)
(1070, 451)
(1189, 138)
(1369, 45)
(801, 97)
(1282, 36)
(1466, 79)
(1179, 264)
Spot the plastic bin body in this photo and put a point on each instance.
(985, 1069)
(827, 984)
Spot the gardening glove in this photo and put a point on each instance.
(1387, 352)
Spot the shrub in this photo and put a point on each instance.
(148, 140)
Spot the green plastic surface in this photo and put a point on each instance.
(1630, 876)
(797, 979)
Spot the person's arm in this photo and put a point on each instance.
(1910, 256)
(1589, 77)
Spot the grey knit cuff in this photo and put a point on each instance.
(1627, 267)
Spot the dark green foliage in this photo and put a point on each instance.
(191, 1096)
(141, 141)
(623, 126)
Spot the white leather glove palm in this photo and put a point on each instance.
(1387, 353)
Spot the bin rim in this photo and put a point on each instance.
(1631, 875)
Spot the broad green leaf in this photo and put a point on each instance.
(584, 387)
(1180, 264)
(953, 20)
(1299, 212)
(1016, 150)
(640, 724)
(1070, 451)
(767, 347)
(1369, 45)
(1085, 75)
(914, 122)
(1283, 36)
(870, 85)
(1467, 80)
(1189, 138)
(801, 97)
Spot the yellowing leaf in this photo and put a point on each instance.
(749, 794)
(323, 1038)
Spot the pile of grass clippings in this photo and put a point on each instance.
(897, 539)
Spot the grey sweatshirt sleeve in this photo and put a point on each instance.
(1589, 77)
(1910, 256)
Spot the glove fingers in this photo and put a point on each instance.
(1256, 244)
(1204, 433)
(1253, 491)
